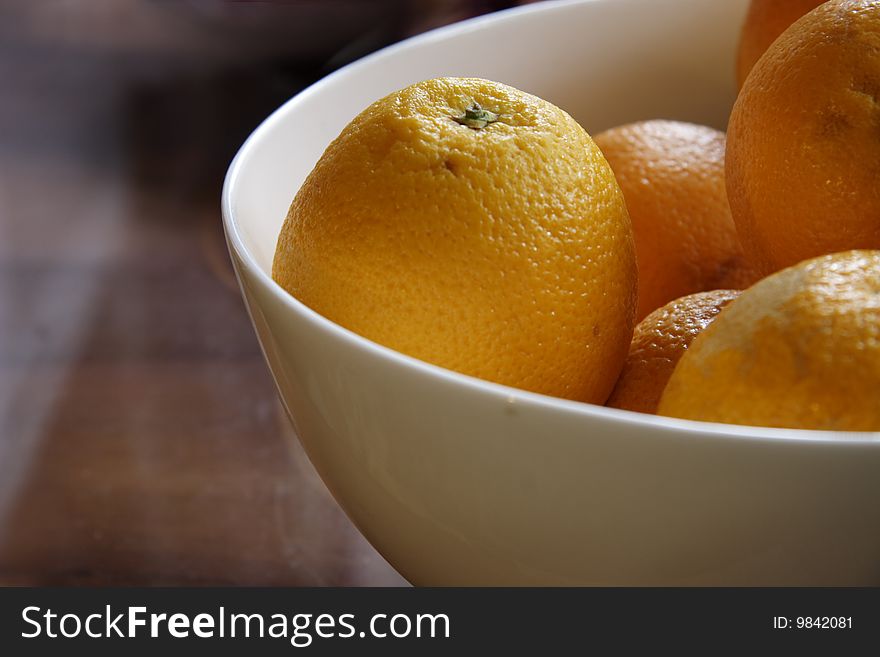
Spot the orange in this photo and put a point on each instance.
(672, 175)
(473, 226)
(800, 349)
(658, 343)
(803, 145)
(765, 21)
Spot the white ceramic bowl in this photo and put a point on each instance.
(460, 481)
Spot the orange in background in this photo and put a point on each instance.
(765, 21)
(672, 176)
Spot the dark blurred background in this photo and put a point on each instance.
(141, 441)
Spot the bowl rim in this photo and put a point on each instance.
(631, 419)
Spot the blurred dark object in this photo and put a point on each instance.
(198, 30)
(225, 31)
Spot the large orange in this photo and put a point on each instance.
(803, 145)
(659, 341)
(800, 349)
(672, 175)
(765, 21)
(473, 226)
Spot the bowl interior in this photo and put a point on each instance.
(604, 62)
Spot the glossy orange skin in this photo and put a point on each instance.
(800, 349)
(659, 341)
(765, 21)
(803, 144)
(672, 175)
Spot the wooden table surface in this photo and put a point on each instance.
(141, 439)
